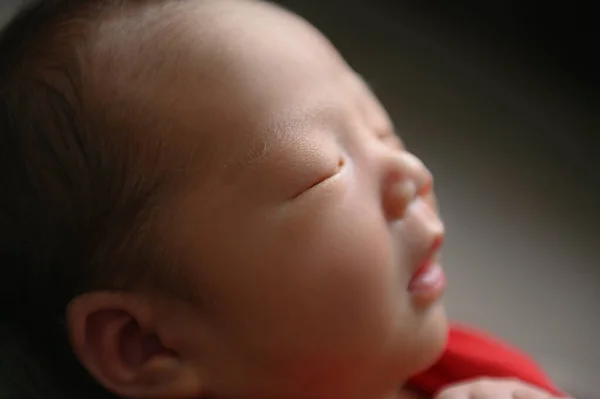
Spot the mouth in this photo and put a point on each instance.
(428, 283)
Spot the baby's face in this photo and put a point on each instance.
(304, 238)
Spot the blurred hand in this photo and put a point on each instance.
(489, 388)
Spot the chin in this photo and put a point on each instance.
(434, 336)
(429, 341)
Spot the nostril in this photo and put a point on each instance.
(407, 190)
(412, 166)
(402, 195)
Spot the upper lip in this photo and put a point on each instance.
(430, 255)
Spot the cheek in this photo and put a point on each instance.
(321, 287)
(340, 273)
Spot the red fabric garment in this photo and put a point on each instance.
(471, 354)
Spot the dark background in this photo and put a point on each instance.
(552, 48)
(560, 34)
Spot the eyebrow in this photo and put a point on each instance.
(261, 149)
(288, 131)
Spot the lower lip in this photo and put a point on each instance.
(429, 284)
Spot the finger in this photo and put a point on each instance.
(479, 389)
(456, 392)
(530, 392)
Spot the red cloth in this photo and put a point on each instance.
(471, 354)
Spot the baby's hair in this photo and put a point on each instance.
(77, 201)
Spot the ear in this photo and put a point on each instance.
(114, 336)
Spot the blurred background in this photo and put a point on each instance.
(501, 100)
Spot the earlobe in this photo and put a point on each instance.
(114, 337)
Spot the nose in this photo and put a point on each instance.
(406, 179)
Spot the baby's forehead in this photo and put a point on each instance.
(237, 79)
(231, 68)
(209, 53)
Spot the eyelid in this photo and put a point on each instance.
(340, 166)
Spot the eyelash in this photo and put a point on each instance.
(340, 166)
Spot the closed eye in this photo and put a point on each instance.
(340, 165)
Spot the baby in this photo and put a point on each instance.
(202, 199)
